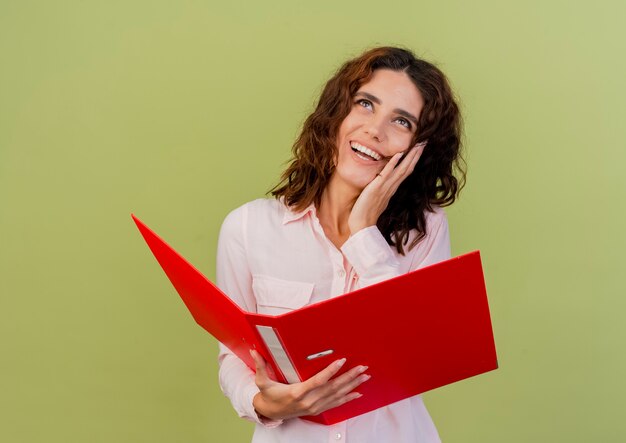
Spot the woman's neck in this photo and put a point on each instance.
(334, 210)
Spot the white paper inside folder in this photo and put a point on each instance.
(278, 353)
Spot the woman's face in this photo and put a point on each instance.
(381, 123)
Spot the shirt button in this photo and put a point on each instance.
(341, 273)
(338, 436)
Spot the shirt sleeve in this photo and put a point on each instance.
(374, 260)
(234, 278)
(436, 243)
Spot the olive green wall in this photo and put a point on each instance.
(180, 111)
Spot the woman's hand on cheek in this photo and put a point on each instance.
(376, 195)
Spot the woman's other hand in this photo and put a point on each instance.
(319, 393)
(375, 197)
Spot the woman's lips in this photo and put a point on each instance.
(364, 152)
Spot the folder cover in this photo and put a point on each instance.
(416, 332)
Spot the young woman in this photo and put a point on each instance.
(359, 203)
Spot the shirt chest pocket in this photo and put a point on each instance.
(275, 296)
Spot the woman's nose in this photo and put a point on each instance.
(374, 128)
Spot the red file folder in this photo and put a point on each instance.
(416, 332)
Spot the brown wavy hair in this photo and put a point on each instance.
(440, 172)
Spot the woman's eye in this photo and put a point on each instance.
(365, 103)
(404, 122)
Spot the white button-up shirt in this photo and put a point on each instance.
(272, 260)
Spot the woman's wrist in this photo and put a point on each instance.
(261, 408)
(360, 225)
(257, 404)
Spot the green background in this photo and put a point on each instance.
(181, 111)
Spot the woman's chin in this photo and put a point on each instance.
(360, 183)
(355, 180)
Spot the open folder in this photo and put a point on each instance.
(416, 332)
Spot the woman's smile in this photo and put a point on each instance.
(364, 152)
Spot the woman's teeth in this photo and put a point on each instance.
(363, 150)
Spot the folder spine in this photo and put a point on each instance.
(278, 353)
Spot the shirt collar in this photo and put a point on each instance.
(291, 215)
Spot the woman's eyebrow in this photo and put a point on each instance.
(376, 100)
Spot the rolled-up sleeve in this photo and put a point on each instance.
(374, 260)
(435, 246)
(371, 257)
(234, 278)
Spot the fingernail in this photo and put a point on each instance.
(362, 369)
(341, 362)
(365, 377)
(358, 395)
